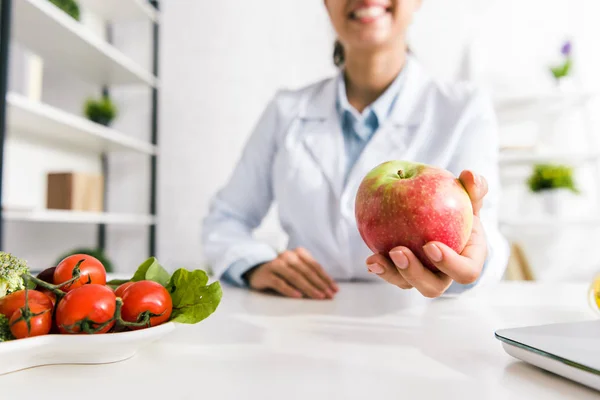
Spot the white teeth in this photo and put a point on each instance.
(369, 12)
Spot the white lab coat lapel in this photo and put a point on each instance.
(322, 135)
(396, 136)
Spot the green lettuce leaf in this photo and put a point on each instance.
(140, 273)
(151, 270)
(193, 300)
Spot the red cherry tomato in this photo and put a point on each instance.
(50, 295)
(120, 291)
(146, 297)
(86, 308)
(91, 270)
(10, 303)
(39, 324)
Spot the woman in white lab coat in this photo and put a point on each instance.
(312, 147)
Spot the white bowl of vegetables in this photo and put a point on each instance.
(70, 314)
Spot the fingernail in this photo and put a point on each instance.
(477, 179)
(399, 258)
(433, 252)
(329, 293)
(335, 287)
(375, 268)
(320, 295)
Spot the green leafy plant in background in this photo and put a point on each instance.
(564, 68)
(99, 254)
(549, 177)
(101, 111)
(68, 6)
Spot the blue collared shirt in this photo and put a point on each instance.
(357, 128)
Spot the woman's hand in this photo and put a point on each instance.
(294, 273)
(404, 270)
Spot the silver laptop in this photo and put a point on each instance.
(571, 350)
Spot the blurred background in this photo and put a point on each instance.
(123, 117)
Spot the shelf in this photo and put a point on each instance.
(517, 158)
(550, 222)
(523, 107)
(43, 121)
(59, 39)
(121, 10)
(78, 217)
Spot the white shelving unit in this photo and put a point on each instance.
(121, 10)
(45, 122)
(517, 108)
(60, 40)
(551, 223)
(527, 158)
(78, 217)
(534, 107)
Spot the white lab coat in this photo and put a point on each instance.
(296, 158)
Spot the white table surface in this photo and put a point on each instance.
(370, 342)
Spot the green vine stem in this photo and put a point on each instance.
(56, 288)
(26, 314)
(143, 319)
(88, 326)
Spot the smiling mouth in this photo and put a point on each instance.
(369, 13)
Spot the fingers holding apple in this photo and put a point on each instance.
(476, 187)
(464, 268)
(427, 221)
(429, 283)
(403, 203)
(383, 267)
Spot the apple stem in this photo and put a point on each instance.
(401, 174)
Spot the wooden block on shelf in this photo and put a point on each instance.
(75, 191)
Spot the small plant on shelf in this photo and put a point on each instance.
(563, 69)
(101, 111)
(69, 6)
(546, 177)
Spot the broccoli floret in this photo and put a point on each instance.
(11, 271)
(5, 334)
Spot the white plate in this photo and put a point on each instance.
(76, 349)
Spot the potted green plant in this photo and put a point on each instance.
(97, 253)
(562, 68)
(554, 184)
(68, 6)
(102, 111)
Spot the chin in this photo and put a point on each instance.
(371, 41)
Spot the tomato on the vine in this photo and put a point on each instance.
(120, 291)
(10, 303)
(91, 271)
(36, 321)
(87, 309)
(146, 298)
(50, 295)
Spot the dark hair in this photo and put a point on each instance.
(338, 53)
